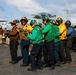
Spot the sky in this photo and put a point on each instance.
(15, 9)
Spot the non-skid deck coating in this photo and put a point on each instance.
(15, 69)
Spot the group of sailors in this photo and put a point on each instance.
(51, 44)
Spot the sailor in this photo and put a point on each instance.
(14, 35)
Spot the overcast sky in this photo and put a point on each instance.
(15, 9)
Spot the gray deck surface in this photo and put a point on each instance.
(15, 69)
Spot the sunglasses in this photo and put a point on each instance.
(13, 24)
(23, 20)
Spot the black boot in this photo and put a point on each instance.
(13, 62)
(31, 69)
(57, 63)
(52, 67)
(63, 62)
(40, 67)
(24, 65)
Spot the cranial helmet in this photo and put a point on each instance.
(59, 20)
(32, 22)
(68, 22)
(24, 19)
(45, 17)
(13, 22)
(52, 21)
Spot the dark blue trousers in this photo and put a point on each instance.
(36, 55)
(49, 53)
(24, 50)
(56, 51)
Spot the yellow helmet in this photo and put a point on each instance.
(59, 18)
(24, 19)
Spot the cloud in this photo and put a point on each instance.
(36, 6)
(27, 6)
(56, 7)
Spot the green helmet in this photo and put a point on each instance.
(52, 21)
(32, 22)
(45, 17)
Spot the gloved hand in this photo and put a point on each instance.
(21, 30)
